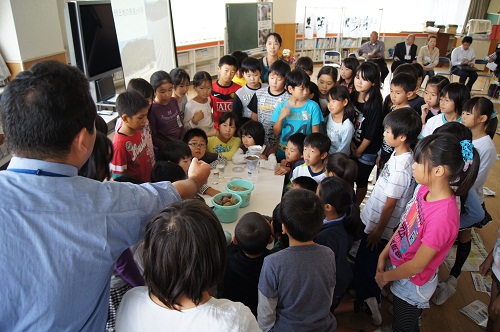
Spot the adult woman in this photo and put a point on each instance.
(428, 56)
(273, 45)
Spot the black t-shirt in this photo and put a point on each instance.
(369, 125)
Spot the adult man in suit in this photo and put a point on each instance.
(404, 52)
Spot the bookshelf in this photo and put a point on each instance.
(200, 57)
(316, 47)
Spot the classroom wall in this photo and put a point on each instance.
(494, 7)
(284, 11)
(8, 36)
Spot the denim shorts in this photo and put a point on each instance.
(418, 296)
(368, 158)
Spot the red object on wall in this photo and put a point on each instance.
(495, 32)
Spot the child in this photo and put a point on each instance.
(180, 79)
(476, 115)
(197, 140)
(298, 114)
(414, 100)
(244, 105)
(269, 97)
(273, 44)
(296, 284)
(316, 147)
(199, 110)
(177, 152)
(339, 228)
(306, 64)
(387, 202)
(130, 153)
(245, 256)
(420, 74)
(280, 239)
(304, 182)
(339, 164)
(429, 225)
(165, 117)
(239, 77)
(454, 96)
(293, 156)
(223, 89)
(167, 171)
(97, 166)
(225, 142)
(340, 122)
(327, 79)
(348, 72)
(432, 96)
(492, 264)
(368, 136)
(252, 133)
(184, 256)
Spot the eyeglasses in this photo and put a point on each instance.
(199, 145)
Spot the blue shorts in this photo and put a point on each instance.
(417, 296)
(368, 158)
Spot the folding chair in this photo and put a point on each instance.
(481, 74)
(330, 59)
(445, 60)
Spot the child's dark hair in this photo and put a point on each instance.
(305, 63)
(229, 60)
(342, 166)
(457, 92)
(319, 141)
(330, 71)
(229, 115)
(297, 78)
(195, 132)
(406, 81)
(352, 64)
(370, 72)
(159, 78)
(252, 233)
(250, 65)
(419, 68)
(298, 139)
(280, 68)
(101, 125)
(404, 121)
(276, 36)
(141, 86)
(97, 166)
(278, 229)
(340, 92)
(201, 77)
(306, 182)
(167, 171)
(184, 253)
(254, 129)
(446, 150)
(338, 193)
(174, 151)
(302, 213)
(128, 178)
(130, 103)
(439, 82)
(478, 106)
(179, 76)
(240, 56)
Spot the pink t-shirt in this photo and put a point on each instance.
(433, 223)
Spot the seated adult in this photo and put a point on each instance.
(428, 56)
(374, 50)
(62, 233)
(462, 63)
(404, 52)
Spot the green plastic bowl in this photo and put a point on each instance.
(245, 195)
(226, 214)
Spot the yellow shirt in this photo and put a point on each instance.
(228, 149)
(240, 81)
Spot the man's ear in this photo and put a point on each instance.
(82, 147)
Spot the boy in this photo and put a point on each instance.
(269, 97)
(130, 148)
(387, 202)
(238, 77)
(223, 89)
(296, 284)
(293, 156)
(197, 140)
(167, 171)
(245, 256)
(306, 64)
(244, 105)
(298, 114)
(305, 182)
(316, 146)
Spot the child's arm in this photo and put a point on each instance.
(361, 148)
(266, 312)
(315, 129)
(239, 157)
(236, 142)
(126, 267)
(209, 191)
(373, 239)
(282, 170)
(485, 266)
(270, 163)
(283, 112)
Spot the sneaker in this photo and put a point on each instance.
(372, 304)
(445, 290)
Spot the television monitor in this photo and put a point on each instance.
(92, 39)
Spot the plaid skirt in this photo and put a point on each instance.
(115, 297)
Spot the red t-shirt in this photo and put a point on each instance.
(131, 157)
(222, 100)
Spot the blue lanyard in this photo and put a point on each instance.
(36, 172)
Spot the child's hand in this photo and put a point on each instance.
(285, 111)
(283, 162)
(425, 110)
(373, 240)
(263, 156)
(198, 116)
(282, 170)
(485, 267)
(379, 279)
(356, 153)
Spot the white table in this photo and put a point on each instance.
(265, 195)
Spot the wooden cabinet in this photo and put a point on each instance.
(445, 43)
(200, 57)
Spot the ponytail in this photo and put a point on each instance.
(342, 166)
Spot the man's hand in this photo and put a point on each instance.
(199, 171)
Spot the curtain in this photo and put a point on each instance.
(477, 10)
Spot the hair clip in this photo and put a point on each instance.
(494, 114)
(467, 153)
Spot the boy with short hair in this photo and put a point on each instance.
(316, 146)
(306, 64)
(269, 97)
(305, 182)
(298, 114)
(296, 284)
(238, 77)
(130, 148)
(177, 152)
(197, 140)
(245, 256)
(223, 89)
(387, 202)
(244, 105)
(293, 156)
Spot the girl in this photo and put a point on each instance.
(432, 95)
(492, 264)
(340, 122)
(252, 133)
(454, 96)
(429, 225)
(327, 79)
(225, 142)
(184, 257)
(347, 73)
(367, 139)
(164, 116)
(273, 45)
(198, 110)
(478, 116)
(181, 80)
(339, 164)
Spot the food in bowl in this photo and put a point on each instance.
(226, 200)
(236, 188)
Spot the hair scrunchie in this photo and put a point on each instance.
(494, 114)
(467, 153)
